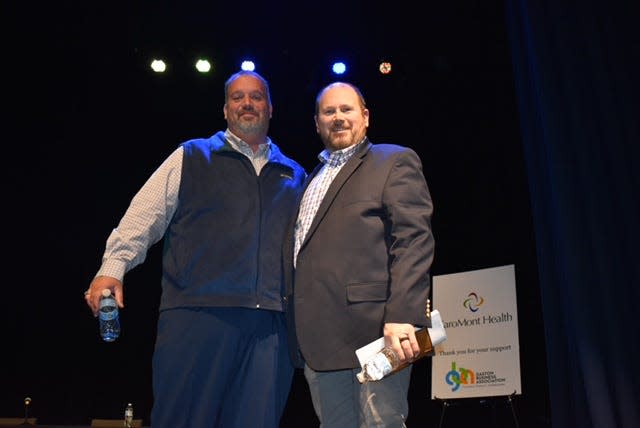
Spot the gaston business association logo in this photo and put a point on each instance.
(459, 377)
(473, 302)
(456, 377)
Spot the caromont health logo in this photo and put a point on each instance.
(473, 302)
(464, 377)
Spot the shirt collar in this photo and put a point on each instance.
(338, 157)
(237, 143)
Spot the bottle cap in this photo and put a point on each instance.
(106, 292)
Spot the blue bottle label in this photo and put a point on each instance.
(108, 309)
(108, 315)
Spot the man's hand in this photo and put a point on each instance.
(402, 338)
(99, 283)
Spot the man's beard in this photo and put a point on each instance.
(340, 142)
(251, 127)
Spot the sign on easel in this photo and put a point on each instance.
(481, 356)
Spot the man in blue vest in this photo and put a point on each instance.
(221, 204)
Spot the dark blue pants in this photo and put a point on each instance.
(220, 368)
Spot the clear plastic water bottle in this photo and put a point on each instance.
(382, 364)
(386, 361)
(128, 416)
(109, 317)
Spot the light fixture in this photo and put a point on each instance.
(158, 66)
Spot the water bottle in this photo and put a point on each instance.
(382, 364)
(386, 361)
(128, 416)
(109, 317)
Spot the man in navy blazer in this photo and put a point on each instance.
(359, 256)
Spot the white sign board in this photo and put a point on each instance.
(481, 356)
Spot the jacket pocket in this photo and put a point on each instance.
(367, 292)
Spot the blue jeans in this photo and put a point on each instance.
(340, 401)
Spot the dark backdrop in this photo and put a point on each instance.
(576, 70)
(86, 123)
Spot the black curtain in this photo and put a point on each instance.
(577, 76)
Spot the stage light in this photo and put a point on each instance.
(158, 66)
(339, 67)
(248, 66)
(385, 67)
(203, 66)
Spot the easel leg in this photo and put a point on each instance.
(445, 404)
(513, 409)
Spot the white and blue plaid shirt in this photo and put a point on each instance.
(333, 163)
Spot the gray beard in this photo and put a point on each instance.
(251, 128)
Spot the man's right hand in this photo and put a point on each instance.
(99, 283)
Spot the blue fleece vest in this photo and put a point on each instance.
(223, 246)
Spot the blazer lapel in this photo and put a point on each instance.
(334, 188)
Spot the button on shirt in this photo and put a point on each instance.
(313, 196)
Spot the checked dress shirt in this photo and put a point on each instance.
(333, 163)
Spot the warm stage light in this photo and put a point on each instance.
(385, 67)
